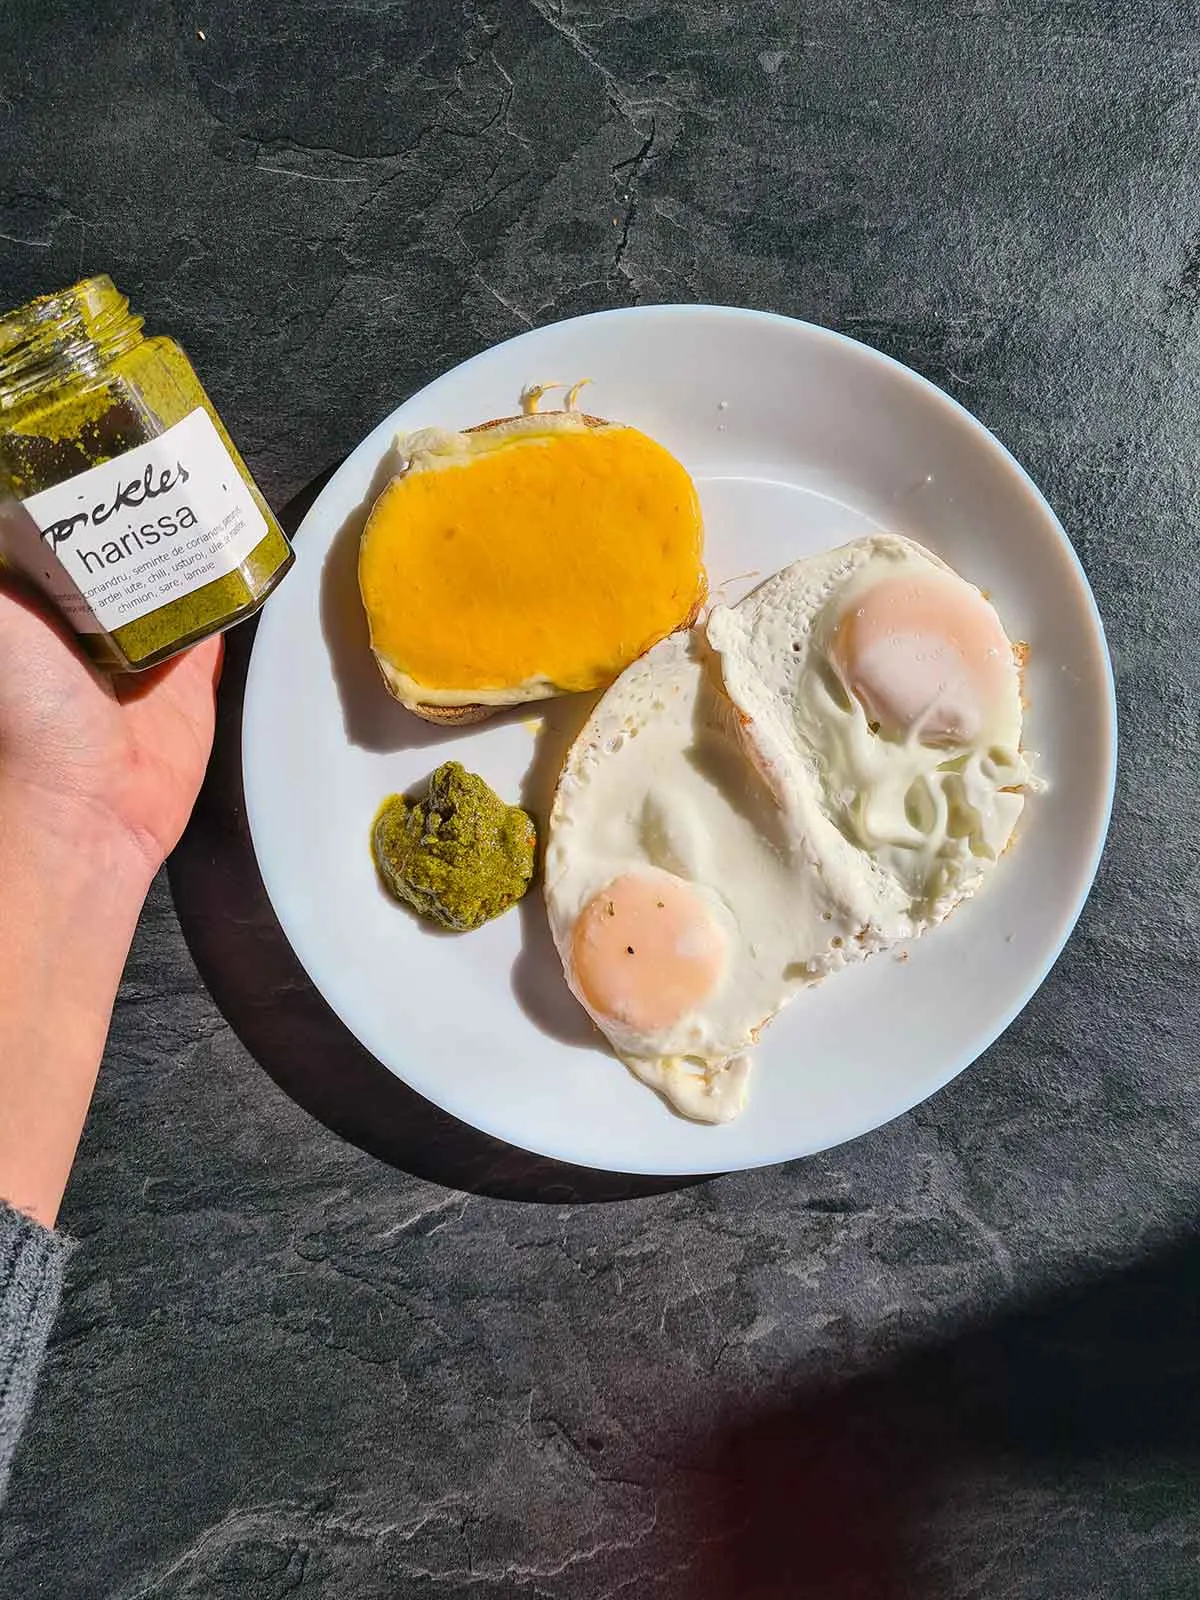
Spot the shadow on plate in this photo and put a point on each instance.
(372, 718)
(264, 993)
(550, 1005)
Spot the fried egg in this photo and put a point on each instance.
(879, 693)
(817, 772)
(681, 909)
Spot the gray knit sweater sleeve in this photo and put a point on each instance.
(32, 1260)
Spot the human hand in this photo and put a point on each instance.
(97, 778)
(117, 761)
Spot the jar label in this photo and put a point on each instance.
(135, 533)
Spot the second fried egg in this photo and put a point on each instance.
(685, 910)
(881, 697)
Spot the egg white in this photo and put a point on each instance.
(659, 782)
(925, 823)
(735, 759)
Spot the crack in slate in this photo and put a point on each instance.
(632, 168)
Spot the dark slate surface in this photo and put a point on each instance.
(958, 1358)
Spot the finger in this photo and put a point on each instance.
(35, 640)
(20, 597)
(216, 648)
(201, 665)
(203, 660)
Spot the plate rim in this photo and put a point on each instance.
(791, 325)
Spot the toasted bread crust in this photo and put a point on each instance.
(463, 716)
(499, 422)
(452, 716)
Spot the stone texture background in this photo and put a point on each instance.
(957, 1358)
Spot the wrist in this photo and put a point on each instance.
(77, 844)
(73, 890)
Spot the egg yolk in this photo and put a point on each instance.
(924, 654)
(557, 555)
(646, 951)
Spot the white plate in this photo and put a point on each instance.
(798, 439)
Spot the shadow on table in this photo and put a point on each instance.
(1079, 1409)
(267, 998)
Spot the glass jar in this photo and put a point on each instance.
(121, 494)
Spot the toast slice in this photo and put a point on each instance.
(465, 714)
